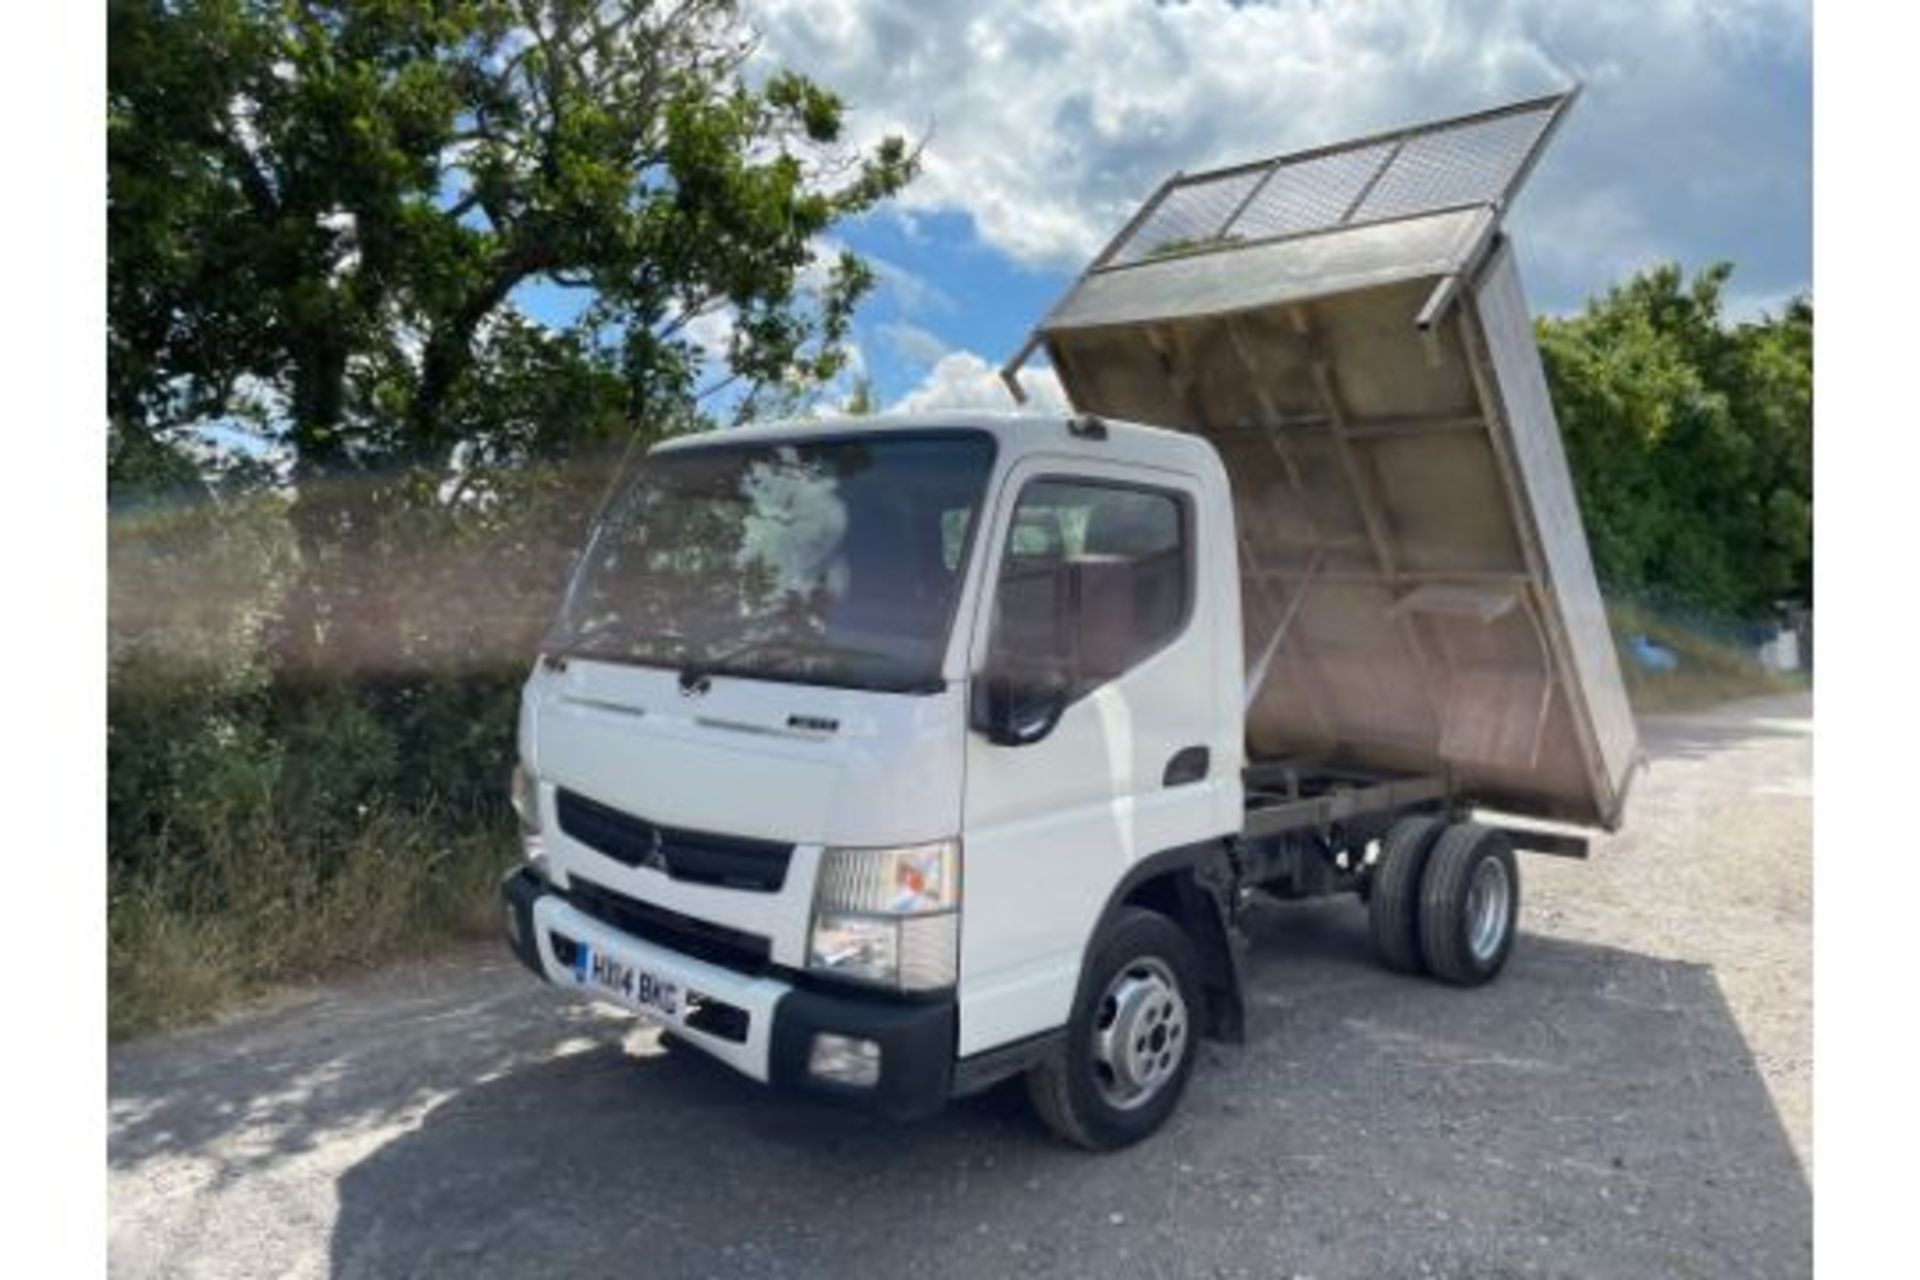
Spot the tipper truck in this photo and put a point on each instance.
(894, 757)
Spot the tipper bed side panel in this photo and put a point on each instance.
(1541, 459)
(1380, 540)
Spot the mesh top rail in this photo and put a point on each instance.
(1473, 160)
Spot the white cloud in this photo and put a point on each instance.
(711, 331)
(911, 343)
(913, 293)
(1741, 306)
(1049, 120)
(963, 380)
(345, 228)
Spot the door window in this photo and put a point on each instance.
(1095, 579)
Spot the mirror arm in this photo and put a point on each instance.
(990, 712)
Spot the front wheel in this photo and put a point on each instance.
(1130, 1043)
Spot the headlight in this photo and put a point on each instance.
(889, 916)
(525, 795)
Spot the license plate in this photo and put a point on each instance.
(636, 986)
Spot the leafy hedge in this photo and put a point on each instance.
(262, 829)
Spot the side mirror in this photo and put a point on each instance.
(1017, 712)
(1030, 671)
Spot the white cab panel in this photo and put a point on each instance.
(728, 763)
(1052, 827)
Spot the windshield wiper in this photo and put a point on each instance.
(723, 662)
(586, 643)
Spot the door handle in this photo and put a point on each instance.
(1189, 764)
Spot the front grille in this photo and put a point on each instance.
(734, 862)
(748, 953)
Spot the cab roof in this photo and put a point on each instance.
(1021, 431)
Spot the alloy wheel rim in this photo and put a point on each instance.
(1489, 902)
(1140, 1033)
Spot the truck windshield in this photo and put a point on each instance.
(825, 560)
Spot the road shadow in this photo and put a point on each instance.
(282, 1082)
(1594, 1113)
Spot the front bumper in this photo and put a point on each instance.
(761, 1026)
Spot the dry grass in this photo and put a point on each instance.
(261, 909)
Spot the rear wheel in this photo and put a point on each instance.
(1393, 897)
(1130, 1043)
(1469, 905)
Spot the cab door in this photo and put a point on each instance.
(1093, 706)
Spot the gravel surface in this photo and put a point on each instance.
(1632, 1099)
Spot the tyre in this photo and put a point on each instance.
(1131, 1041)
(1393, 897)
(1469, 905)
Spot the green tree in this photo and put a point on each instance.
(319, 212)
(860, 402)
(1690, 441)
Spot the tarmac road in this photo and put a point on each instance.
(1632, 1099)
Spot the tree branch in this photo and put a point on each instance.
(449, 351)
(717, 387)
(688, 315)
(253, 181)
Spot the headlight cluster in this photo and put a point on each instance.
(525, 795)
(890, 917)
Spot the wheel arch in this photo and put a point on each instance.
(1193, 886)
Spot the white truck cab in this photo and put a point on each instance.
(852, 731)
(892, 757)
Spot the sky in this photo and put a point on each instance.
(1046, 122)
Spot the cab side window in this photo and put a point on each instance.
(1096, 578)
